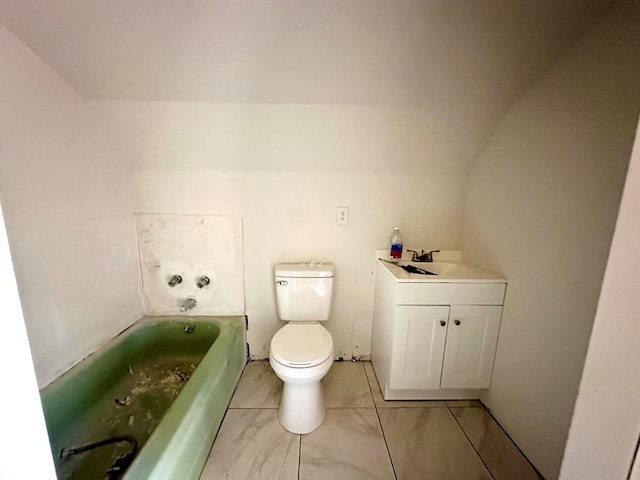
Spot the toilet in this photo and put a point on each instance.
(301, 352)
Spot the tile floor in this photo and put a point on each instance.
(363, 436)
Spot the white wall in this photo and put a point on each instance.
(605, 429)
(67, 194)
(285, 169)
(21, 413)
(542, 203)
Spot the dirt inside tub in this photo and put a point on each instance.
(102, 442)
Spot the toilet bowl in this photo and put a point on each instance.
(302, 403)
(301, 352)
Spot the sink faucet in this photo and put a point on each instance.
(422, 256)
(189, 303)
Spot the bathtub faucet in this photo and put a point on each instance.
(189, 303)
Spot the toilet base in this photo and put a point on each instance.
(302, 403)
(301, 407)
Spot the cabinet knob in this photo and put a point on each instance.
(442, 323)
(456, 321)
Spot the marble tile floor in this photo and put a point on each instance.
(363, 436)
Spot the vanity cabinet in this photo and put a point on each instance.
(435, 339)
(444, 346)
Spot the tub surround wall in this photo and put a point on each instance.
(79, 285)
(66, 192)
(191, 246)
(542, 205)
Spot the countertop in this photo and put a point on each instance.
(448, 268)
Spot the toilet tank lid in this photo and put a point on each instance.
(304, 270)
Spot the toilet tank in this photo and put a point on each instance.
(303, 291)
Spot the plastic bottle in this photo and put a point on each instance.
(396, 244)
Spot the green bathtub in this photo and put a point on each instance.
(158, 392)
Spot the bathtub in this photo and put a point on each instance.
(93, 397)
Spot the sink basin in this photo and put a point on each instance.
(458, 270)
(411, 268)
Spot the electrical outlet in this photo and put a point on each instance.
(342, 215)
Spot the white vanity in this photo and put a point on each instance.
(435, 336)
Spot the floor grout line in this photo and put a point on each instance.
(384, 437)
(469, 440)
(252, 408)
(379, 407)
(299, 454)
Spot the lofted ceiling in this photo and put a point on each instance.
(445, 71)
(441, 53)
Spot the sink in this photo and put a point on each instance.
(448, 268)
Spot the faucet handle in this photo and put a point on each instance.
(429, 255)
(422, 256)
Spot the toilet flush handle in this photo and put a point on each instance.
(282, 283)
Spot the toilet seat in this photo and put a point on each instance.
(301, 345)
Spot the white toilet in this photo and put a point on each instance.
(301, 352)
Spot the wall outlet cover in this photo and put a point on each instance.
(342, 215)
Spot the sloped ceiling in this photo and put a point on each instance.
(459, 64)
(376, 52)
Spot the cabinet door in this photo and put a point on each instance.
(470, 347)
(418, 346)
